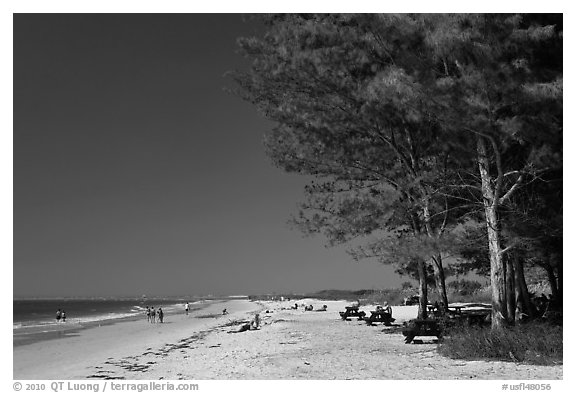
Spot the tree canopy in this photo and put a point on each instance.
(413, 125)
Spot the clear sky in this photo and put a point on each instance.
(136, 173)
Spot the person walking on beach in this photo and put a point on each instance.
(58, 315)
(153, 315)
(160, 315)
(187, 308)
(148, 316)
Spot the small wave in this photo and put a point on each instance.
(36, 324)
(74, 321)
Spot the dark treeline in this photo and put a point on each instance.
(429, 136)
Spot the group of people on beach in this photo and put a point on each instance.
(308, 307)
(60, 315)
(151, 314)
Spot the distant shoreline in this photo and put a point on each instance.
(25, 335)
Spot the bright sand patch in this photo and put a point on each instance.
(92, 351)
(291, 344)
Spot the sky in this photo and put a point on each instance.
(135, 172)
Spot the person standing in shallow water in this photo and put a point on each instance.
(153, 315)
(63, 316)
(187, 308)
(58, 315)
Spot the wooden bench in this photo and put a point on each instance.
(422, 327)
(380, 316)
(352, 311)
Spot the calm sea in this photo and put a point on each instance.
(35, 320)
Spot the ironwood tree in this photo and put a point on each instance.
(400, 117)
(503, 87)
(332, 86)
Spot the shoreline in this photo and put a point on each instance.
(72, 356)
(291, 344)
(26, 335)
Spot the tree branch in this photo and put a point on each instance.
(512, 189)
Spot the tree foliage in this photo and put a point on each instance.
(414, 126)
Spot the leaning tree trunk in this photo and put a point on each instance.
(510, 290)
(440, 279)
(552, 280)
(524, 306)
(422, 289)
(497, 278)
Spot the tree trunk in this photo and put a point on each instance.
(510, 290)
(440, 279)
(423, 290)
(560, 299)
(524, 306)
(497, 279)
(552, 280)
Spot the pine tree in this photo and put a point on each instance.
(340, 88)
(408, 121)
(502, 87)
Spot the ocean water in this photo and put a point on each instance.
(35, 320)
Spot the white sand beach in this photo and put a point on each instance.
(291, 344)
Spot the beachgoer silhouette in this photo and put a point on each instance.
(387, 308)
(252, 325)
(153, 315)
(255, 324)
(160, 315)
(63, 316)
(187, 308)
(58, 315)
(224, 312)
(148, 316)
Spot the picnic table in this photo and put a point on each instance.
(471, 314)
(422, 327)
(455, 310)
(380, 316)
(352, 311)
(452, 310)
(468, 314)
